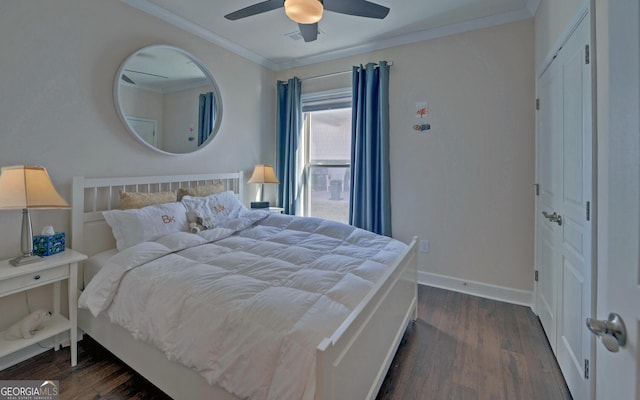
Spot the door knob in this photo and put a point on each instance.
(612, 332)
(553, 217)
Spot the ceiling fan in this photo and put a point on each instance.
(307, 13)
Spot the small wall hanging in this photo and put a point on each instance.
(423, 123)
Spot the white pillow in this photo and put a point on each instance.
(134, 226)
(217, 207)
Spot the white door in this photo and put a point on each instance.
(573, 340)
(145, 128)
(564, 231)
(618, 374)
(548, 251)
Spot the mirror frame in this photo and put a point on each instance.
(199, 64)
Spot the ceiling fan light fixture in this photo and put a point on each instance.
(303, 11)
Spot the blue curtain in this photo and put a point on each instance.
(288, 127)
(207, 116)
(370, 201)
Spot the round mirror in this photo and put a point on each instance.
(168, 100)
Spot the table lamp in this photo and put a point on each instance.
(262, 173)
(26, 187)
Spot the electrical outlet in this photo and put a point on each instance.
(424, 246)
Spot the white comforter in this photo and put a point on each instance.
(245, 305)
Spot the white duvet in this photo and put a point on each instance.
(246, 304)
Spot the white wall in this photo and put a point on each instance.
(467, 186)
(144, 103)
(182, 112)
(58, 62)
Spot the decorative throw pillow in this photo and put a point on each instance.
(214, 187)
(216, 208)
(138, 225)
(141, 199)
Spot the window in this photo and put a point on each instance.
(327, 138)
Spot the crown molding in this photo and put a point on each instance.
(532, 6)
(415, 37)
(494, 20)
(176, 20)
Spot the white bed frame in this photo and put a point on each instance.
(350, 364)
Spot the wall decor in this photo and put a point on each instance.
(423, 120)
(168, 99)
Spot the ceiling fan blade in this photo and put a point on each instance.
(255, 9)
(359, 8)
(309, 32)
(127, 79)
(145, 73)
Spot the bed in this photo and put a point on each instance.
(350, 362)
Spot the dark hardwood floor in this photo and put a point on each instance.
(98, 375)
(461, 347)
(466, 347)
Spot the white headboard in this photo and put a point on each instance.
(90, 233)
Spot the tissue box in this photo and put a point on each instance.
(48, 245)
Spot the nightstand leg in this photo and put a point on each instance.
(56, 311)
(73, 312)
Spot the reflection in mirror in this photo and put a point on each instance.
(168, 100)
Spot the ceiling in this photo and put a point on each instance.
(272, 40)
(163, 69)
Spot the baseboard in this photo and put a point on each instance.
(488, 291)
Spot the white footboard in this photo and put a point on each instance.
(353, 362)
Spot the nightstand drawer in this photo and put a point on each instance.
(22, 282)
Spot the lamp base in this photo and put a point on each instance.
(24, 260)
(26, 243)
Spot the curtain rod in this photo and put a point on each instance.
(389, 63)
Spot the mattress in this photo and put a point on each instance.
(93, 264)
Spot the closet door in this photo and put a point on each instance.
(548, 235)
(574, 340)
(564, 230)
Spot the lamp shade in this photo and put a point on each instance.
(263, 173)
(303, 11)
(25, 186)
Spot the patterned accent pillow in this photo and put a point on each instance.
(216, 208)
(214, 187)
(138, 225)
(141, 199)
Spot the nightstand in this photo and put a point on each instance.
(51, 270)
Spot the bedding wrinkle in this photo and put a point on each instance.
(245, 307)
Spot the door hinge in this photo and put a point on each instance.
(586, 369)
(587, 56)
(535, 275)
(537, 104)
(588, 211)
(537, 187)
